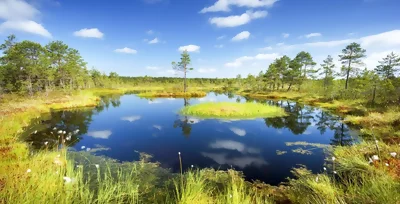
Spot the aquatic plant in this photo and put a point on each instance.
(233, 110)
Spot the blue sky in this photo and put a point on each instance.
(225, 37)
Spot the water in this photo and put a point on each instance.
(123, 126)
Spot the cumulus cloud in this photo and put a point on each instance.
(311, 35)
(25, 26)
(103, 134)
(236, 20)
(20, 16)
(219, 46)
(126, 50)
(224, 5)
(285, 35)
(89, 33)
(17, 10)
(132, 118)
(150, 32)
(265, 48)
(154, 41)
(190, 48)
(241, 36)
(239, 61)
(206, 70)
(221, 37)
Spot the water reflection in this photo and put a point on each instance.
(185, 122)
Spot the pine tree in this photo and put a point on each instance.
(182, 66)
(388, 67)
(350, 57)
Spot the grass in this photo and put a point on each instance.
(190, 94)
(233, 110)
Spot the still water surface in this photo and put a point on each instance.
(124, 125)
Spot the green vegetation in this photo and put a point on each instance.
(190, 94)
(36, 79)
(233, 110)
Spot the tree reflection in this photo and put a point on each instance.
(48, 130)
(184, 123)
(298, 118)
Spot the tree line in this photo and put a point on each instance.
(29, 67)
(351, 82)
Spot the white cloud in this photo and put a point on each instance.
(221, 37)
(219, 46)
(239, 61)
(25, 26)
(234, 21)
(150, 32)
(17, 10)
(189, 48)
(104, 134)
(126, 50)
(280, 44)
(89, 33)
(224, 5)
(206, 70)
(351, 34)
(154, 41)
(311, 35)
(285, 35)
(207, 98)
(19, 16)
(238, 131)
(241, 36)
(265, 48)
(191, 120)
(132, 118)
(152, 68)
(390, 38)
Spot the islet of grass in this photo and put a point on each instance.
(233, 110)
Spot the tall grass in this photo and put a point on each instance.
(233, 110)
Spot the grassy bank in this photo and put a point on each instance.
(156, 94)
(233, 110)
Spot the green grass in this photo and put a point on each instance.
(233, 110)
(179, 94)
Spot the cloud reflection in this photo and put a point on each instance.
(158, 127)
(242, 162)
(238, 131)
(103, 134)
(233, 145)
(131, 118)
(154, 102)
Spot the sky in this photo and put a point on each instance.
(224, 37)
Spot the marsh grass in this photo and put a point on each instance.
(178, 94)
(233, 110)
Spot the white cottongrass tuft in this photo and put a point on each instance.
(35, 132)
(45, 143)
(192, 166)
(334, 172)
(83, 147)
(324, 168)
(333, 158)
(55, 128)
(67, 179)
(375, 158)
(316, 179)
(87, 149)
(179, 153)
(376, 141)
(28, 171)
(393, 154)
(386, 164)
(97, 166)
(64, 132)
(60, 131)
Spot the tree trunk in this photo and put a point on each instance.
(184, 80)
(373, 95)
(290, 85)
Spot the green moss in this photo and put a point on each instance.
(233, 110)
